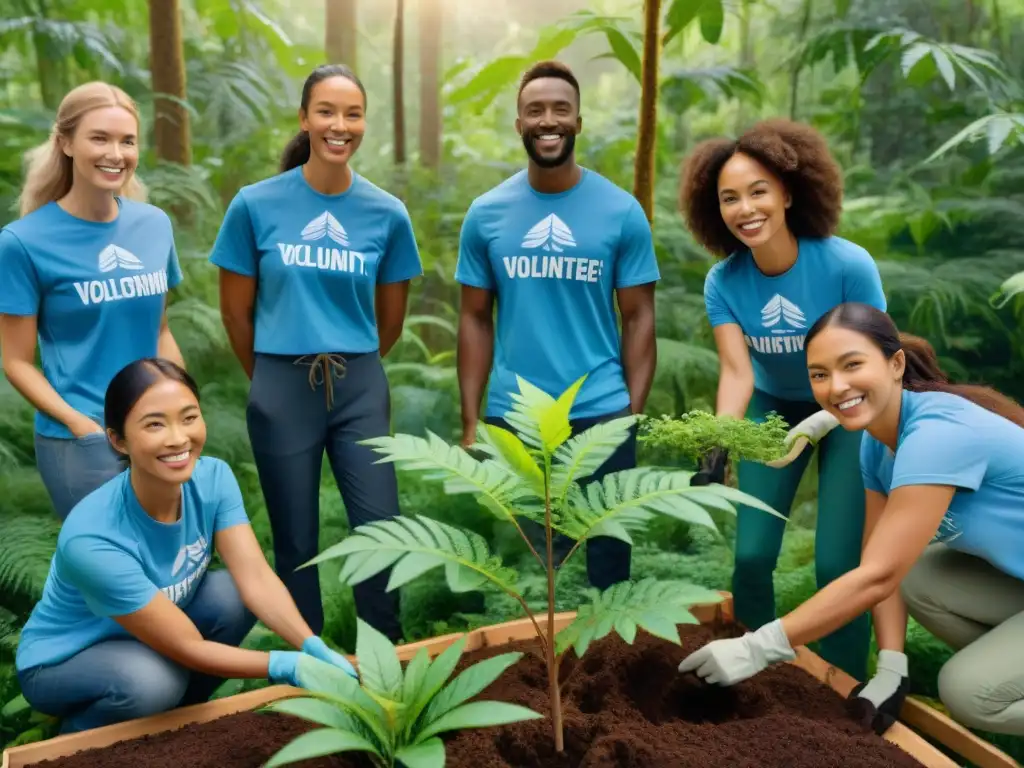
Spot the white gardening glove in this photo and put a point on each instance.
(809, 431)
(886, 691)
(726, 662)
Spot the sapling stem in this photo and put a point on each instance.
(554, 692)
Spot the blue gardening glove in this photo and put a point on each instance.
(809, 431)
(883, 695)
(283, 668)
(712, 468)
(318, 649)
(727, 662)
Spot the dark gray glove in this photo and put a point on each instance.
(712, 468)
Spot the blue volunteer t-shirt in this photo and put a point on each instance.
(98, 291)
(945, 439)
(112, 558)
(776, 312)
(554, 262)
(318, 259)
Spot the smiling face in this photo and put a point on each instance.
(752, 200)
(164, 432)
(335, 120)
(104, 148)
(549, 119)
(852, 379)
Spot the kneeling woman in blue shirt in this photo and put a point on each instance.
(944, 533)
(131, 623)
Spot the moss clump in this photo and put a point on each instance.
(695, 433)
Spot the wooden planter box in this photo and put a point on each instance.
(923, 718)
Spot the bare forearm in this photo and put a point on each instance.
(269, 600)
(836, 605)
(388, 336)
(890, 621)
(227, 661)
(242, 335)
(734, 393)
(167, 348)
(30, 382)
(476, 350)
(639, 357)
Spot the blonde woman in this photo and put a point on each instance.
(85, 270)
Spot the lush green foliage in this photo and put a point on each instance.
(945, 226)
(692, 435)
(390, 713)
(537, 473)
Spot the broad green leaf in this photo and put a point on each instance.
(478, 714)
(712, 19)
(328, 682)
(554, 419)
(624, 52)
(468, 684)
(415, 674)
(678, 16)
(655, 606)
(519, 459)
(372, 547)
(315, 710)
(429, 754)
(436, 676)
(318, 743)
(379, 668)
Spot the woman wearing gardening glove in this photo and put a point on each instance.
(767, 205)
(944, 533)
(131, 622)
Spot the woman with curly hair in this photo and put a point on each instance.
(767, 204)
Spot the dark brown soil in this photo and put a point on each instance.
(625, 707)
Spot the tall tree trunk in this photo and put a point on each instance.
(398, 75)
(340, 32)
(51, 70)
(167, 70)
(431, 15)
(794, 76)
(746, 59)
(643, 170)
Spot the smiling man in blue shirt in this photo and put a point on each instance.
(556, 246)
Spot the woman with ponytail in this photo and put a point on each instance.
(944, 530)
(85, 270)
(315, 264)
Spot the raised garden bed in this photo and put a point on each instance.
(625, 706)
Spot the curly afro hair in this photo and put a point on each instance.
(796, 153)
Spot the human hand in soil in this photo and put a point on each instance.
(727, 662)
(318, 649)
(878, 701)
(712, 468)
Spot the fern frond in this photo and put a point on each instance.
(652, 605)
(542, 420)
(628, 499)
(496, 487)
(414, 546)
(26, 548)
(584, 454)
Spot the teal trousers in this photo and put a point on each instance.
(838, 538)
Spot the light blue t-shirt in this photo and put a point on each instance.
(776, 312)
(945, 439)
(318, 259)
(112, 558)
(98, 292)
(554, 262)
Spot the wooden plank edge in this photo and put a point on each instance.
(947, 731)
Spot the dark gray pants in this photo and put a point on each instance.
(608, 559)
(291, 424)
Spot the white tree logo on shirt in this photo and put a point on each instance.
(197, 557)
(325, 225)
(114, 256)
(780, 308)
(193, 554)
(549, 234)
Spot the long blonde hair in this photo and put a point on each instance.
(49, 174)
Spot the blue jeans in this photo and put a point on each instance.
(73, 468)
(291, 425)
(123, 679)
